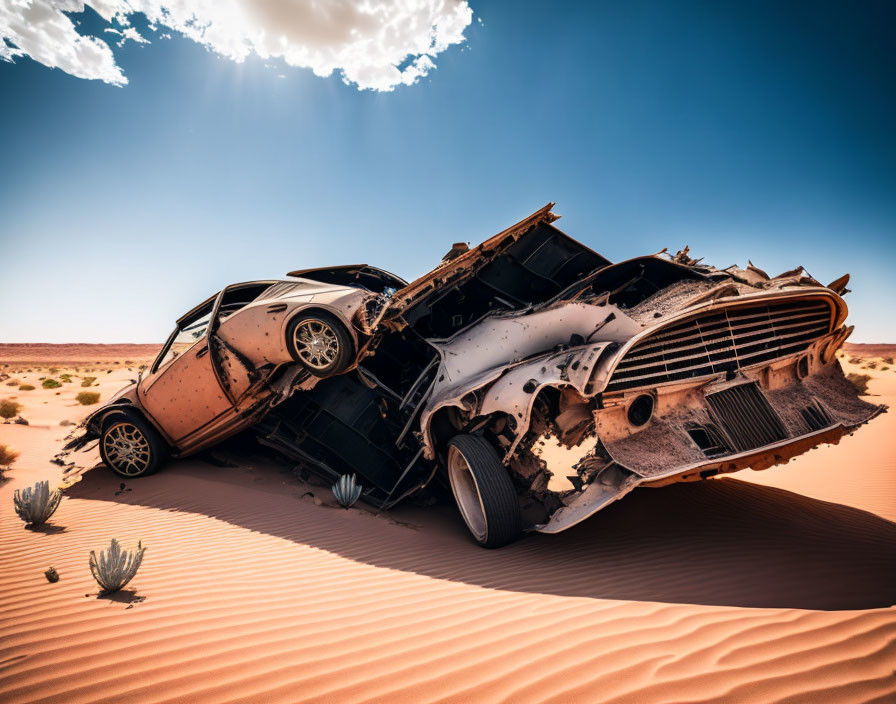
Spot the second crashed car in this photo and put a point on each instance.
(539, 380)
(229, 359)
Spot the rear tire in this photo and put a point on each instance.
(483, 491)
(320, 343)
(130, 446)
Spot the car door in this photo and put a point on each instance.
(182, 391)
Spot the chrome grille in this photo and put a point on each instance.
(746, 416)
(721, 341)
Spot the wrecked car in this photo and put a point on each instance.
(229, 359)
(533, 377)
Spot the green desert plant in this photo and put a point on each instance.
(65, 378)
(9, 408)
(347, 490)
(860, 381)
(115, 567)
(26, 387)
(50, 384)
(88, 398)
(36, 504)
(7, 455)
(88, 381)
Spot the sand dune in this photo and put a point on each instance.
(770, 586)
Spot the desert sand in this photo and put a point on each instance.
(774, 586)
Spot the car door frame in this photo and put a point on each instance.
(197, 434)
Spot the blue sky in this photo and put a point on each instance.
(760, 130)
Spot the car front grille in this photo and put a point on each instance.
(722, 340)
(747, 417)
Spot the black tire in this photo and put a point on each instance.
(494, 520)
(130, 446)
(340, 336)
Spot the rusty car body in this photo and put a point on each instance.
(229, 360)
(542, 382)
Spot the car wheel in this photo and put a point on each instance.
(483, 491)
(130, 446)
(320, 343)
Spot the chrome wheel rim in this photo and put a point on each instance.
(316, 343)
(127, 448)
(466, 493)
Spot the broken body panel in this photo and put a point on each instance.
(543, 347)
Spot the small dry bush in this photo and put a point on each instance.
(26, 387)
(36, 504)
(855, 360)
(13, 382)
(50, 384)
(860, 381)
(113, 568)
(9, 408)
(88, 398)
(888, 360)
(65, 378)
(872, 365)
(7, 455)
(88, 381)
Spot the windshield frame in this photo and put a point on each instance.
(183, 322)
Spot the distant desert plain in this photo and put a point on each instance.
(772, 586)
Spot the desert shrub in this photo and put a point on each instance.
(347, 490)
(888, 360)
(88, 398)
(7, 455)
(9, 408)
(50, 384)
(872, 365)
(65, 378)
(855, 360)
(115, 567)
(53, 370)
(26, 387)
(860, 382)
(88, 381)
(13, 382)
(884, 368)
(36, 504)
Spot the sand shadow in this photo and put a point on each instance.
(46, 529)
(721, 542)
(123, 596)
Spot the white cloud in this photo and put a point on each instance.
(133, 35)
(373, 44)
